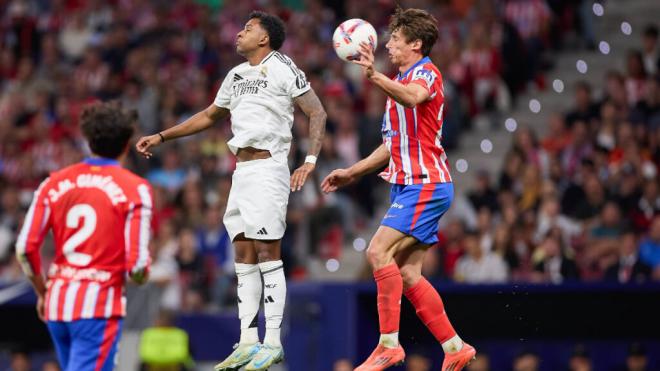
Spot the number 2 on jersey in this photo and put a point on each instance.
(87, 214)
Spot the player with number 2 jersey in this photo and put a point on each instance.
(100, 216)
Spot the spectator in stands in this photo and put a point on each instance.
(526, 361)
(532, 20)
(649, 250)
(480, 363)
(171, 175)
(580, 359)
(647, 111)
(165, 347)
(647, 207)
(19, 361)
(550, 217)
(594, 198)
(417, 362)
(218, 253)
(478, 266)
(451, 244)
(483, 194)
(164, 268)
(578, 150)
(484, 64)
(636, 78)
(615, 90)
(628, 267)
(557, 137)
(650, 49)
(193, 275)
(50, 366)
(585, 110)
(342, 364)
(552, 265)
(603, 237)
(637, 359)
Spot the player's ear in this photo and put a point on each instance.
(265, 40)
(417, 45)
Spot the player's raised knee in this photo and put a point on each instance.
(377, 255)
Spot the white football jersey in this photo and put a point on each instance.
(260, 100)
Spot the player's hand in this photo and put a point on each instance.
(139, 276)
(337, 178)
(366, 60)
(40, 308)
(145, 143)
(300, 176)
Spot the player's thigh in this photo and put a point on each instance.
(263, 199)
(387, 241)
(94, 344)
(245, 251)
(410, 262)
(416, 209)
(59, 332)
(431, 209)
(232, 218)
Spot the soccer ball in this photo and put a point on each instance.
(348, 36)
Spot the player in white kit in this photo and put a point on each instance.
(260, 95)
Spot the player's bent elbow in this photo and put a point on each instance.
(409, 102)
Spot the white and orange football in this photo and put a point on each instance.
(348, 36)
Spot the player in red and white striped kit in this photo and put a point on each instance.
(100, 216)
(422, 189)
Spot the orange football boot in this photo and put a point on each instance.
(383, 358)
(457, 360)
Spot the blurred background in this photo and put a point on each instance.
(549, 258)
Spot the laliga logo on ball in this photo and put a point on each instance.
(348, 36)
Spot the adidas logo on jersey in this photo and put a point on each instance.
(269, 299)
(237, 77)
(262, 232)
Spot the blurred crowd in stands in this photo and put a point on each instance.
(577, 204)
(580, 203)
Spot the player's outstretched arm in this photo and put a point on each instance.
(341, 177)
(407, 95)
(310, 104)
(198, 122)
(137, 240)
(37, 222)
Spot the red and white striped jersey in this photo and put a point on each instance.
(413, 135)
(100, 215)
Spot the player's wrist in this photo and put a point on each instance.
(371, 72)
(311, 159)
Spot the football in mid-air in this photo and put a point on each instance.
(348, 36)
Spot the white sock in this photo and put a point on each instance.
(272, 273)
(452, 345)
(389, 340)
(249, 297)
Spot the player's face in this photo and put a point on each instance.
(251, 37)
(399, 49)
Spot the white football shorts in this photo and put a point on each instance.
(258, 200)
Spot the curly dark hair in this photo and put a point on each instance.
(415, 24)
(274, 27)
(107, 128)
